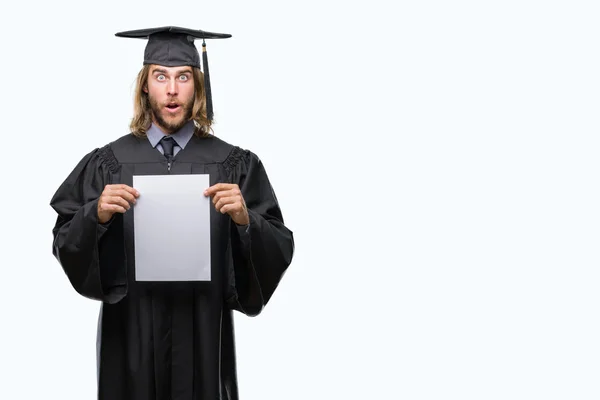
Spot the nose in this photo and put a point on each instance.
(172, 87)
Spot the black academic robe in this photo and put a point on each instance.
(169, 341)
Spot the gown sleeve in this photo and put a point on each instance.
(263, 250)
(92, 255)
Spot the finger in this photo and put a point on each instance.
(231, 208)
(218, 187)
(117, 200)
(129, 189)
(122, 186)
(114, 208)
(125, 195)
(225, 193)
(133, 191)
(227, 200)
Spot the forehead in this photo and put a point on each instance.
(169, 70)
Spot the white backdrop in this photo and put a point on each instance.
(437, 161)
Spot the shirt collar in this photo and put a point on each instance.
(182, 136)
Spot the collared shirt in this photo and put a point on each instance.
(182, 137)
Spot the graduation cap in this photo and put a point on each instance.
(173, 46)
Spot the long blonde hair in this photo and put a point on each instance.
(142, 112)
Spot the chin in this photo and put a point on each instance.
(173, 119)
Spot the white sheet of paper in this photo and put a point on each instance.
(172, 228)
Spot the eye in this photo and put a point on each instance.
(161, 77)
(183, 77)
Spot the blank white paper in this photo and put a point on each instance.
(172, 228)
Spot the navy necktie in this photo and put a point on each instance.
(167, 143)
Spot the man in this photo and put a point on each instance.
(170, 340)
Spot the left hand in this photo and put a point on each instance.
(227, 198)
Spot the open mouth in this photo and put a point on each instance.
(173, 107)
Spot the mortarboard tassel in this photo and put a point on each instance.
(209, 106)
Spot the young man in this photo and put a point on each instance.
(170, 340)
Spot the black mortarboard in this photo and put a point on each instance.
(173, 46)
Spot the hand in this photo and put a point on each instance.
(228, 199)
(115, 198)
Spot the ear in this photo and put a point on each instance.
(145, 88)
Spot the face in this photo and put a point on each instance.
(171, 94)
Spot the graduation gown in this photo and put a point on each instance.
(169, 340)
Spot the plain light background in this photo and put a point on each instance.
(437, 161)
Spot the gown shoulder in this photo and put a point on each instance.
(85, 181)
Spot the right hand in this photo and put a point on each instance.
(115, 198)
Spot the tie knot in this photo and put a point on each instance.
(167, 143)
